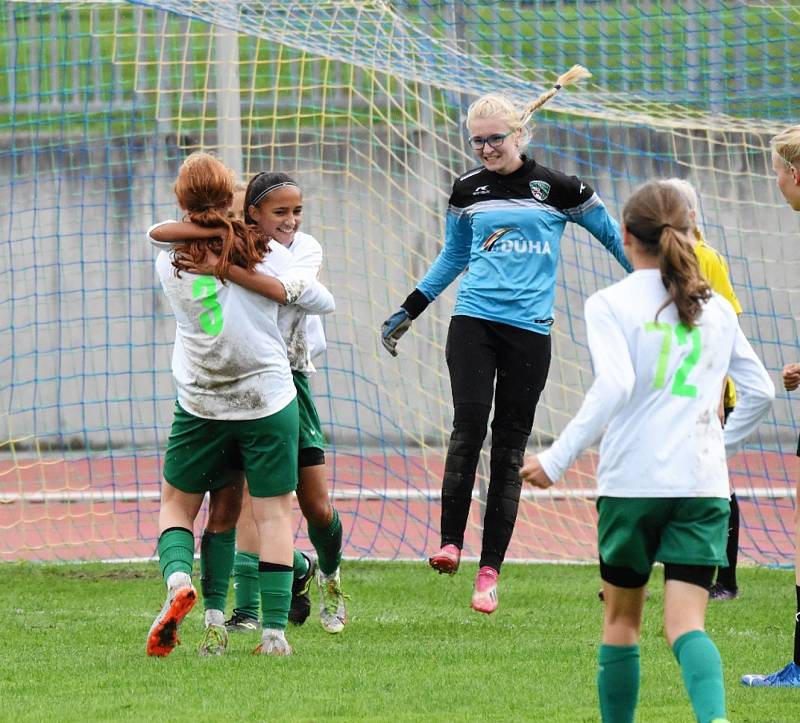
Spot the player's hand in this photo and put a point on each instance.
(791, 377)
(393, 328)
(533, 474)
(206, 267)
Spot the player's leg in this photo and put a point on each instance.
(685, 600)
(273, 516)
(692, 544)
(789, 675)
(194, 463)
(269, 451)
(726, 586)
(523, 361)
(216, 561)
(471, 363)
(246, 590)
(618, 657)
(325, 532)
(324, 525)
(176, 558)
(628, 534)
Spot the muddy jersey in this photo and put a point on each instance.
(506, 230)
(229, 360)
(302, 332)
(656, 393)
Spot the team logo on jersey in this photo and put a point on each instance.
(509, 240)
(493, 238)
(540, 190)
(481, 191)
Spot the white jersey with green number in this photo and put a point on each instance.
(657, 389)
(229, 359)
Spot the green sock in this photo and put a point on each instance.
(299, 564)
(246, 590)
(216, 562)
(327, 542)
(701, 668)
(175, 551)
(275, 582)
(618, 682)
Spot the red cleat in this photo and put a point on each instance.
(446, 560)
(163, 635)
(484, 599)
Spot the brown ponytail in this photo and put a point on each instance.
(657, 214)
(204, 189)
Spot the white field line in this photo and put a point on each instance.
(76, 496)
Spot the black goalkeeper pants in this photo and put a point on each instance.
(490, 361)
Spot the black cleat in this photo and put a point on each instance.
(300, 608)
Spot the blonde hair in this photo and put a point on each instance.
(657, 214)
(687, 190)
(786, 146)
(498, 105)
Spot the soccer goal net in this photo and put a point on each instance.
(363, 103)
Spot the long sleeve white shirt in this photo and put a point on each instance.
(299, 319)
(229, 360)
(656, 392)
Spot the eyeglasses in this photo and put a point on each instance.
(495, 140)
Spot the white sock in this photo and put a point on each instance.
(177, 580)
(215, 617)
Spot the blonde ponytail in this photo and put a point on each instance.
(657, 214)
(573, 75)
(497, 105)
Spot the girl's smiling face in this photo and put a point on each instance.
(279, 215)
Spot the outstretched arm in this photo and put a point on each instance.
(596, 219)
(312, 296)
(167, 234)
(450, 262)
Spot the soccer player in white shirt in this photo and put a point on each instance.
(236, 400)
(274, 204)
(662, 344)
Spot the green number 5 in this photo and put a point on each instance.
(205, 289)
(679, 386)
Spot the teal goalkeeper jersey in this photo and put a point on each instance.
(506, 230)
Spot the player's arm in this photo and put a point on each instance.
(450, 262)
(589, 211)
(755, 393)
(311, 296)
(611, 390)
(169, 234)
(256, 281)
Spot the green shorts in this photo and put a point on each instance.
(202, 454)
(311, 435)
(633, 532)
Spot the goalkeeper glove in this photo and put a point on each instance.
(393, 328)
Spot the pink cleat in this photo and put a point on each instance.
(446, 560)
(484, 599)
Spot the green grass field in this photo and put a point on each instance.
(73, 649)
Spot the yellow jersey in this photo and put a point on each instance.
(715, 270)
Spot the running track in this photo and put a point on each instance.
(387, 502)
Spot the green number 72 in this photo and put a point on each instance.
(679, 386)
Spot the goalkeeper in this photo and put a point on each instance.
(504, 223)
